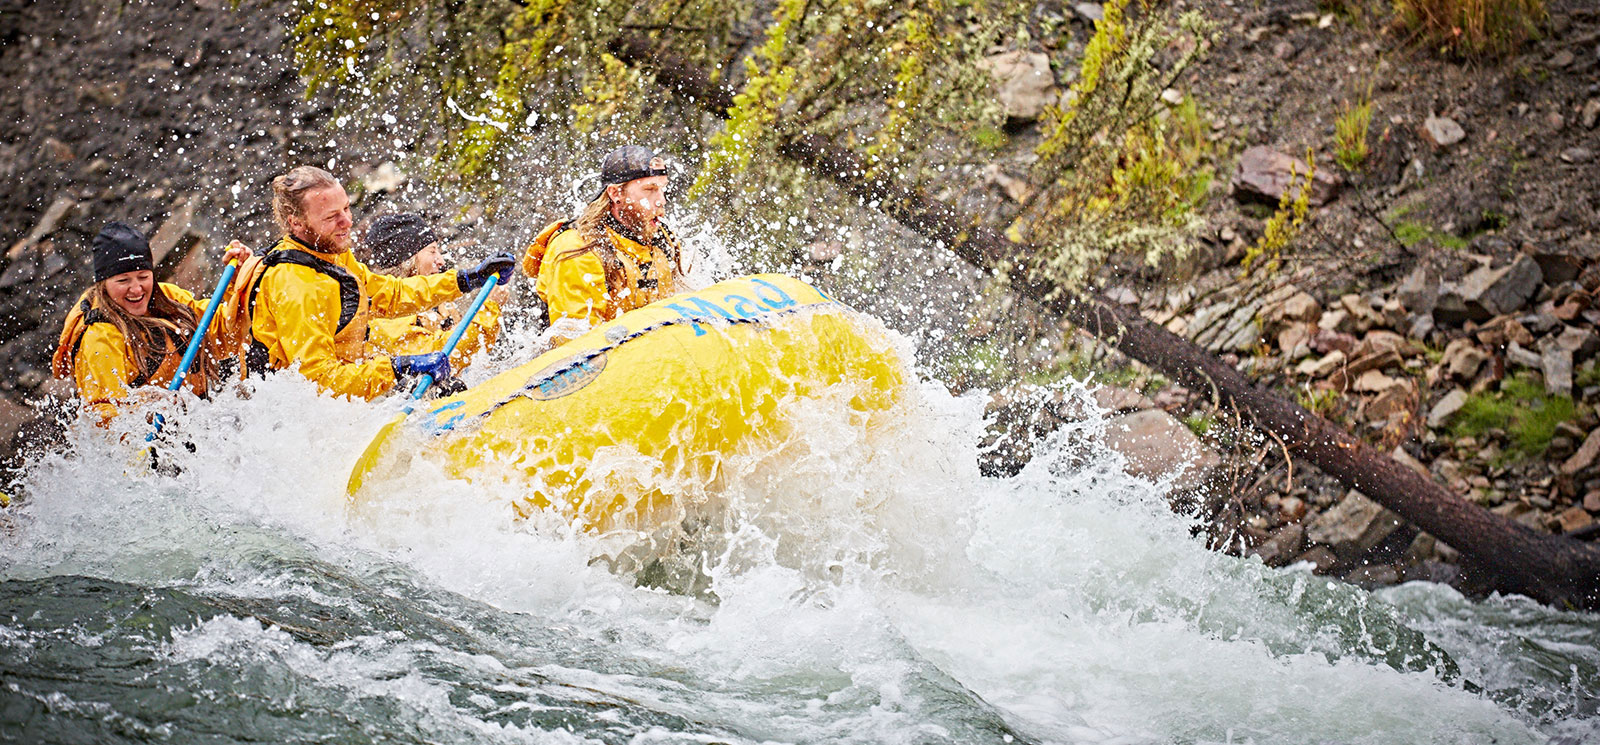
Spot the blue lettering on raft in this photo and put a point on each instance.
(699, 309)
(555, 386)
(782, 301)
(743, 307)
(702, 311)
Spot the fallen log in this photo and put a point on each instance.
(1509, 556)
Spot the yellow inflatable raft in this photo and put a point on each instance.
(677, 386)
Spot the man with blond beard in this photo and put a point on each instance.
(308, 300)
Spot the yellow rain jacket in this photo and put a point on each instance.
(315, 313)
(428, 331)
(576, 287)
(97, 355)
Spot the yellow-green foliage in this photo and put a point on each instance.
(1350, 132)
(769, 79)
(1120, 172)
(1472, 28)
(1286, 222)
(904, 84)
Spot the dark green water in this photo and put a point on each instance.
(871, 590)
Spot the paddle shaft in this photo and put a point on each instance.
(455, 338)
(198, 337)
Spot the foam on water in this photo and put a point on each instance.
(871, 587)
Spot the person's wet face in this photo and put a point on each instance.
(639, 203)
(326, 223)
(131, 291)
(430, 260)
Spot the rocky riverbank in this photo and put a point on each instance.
(1439, 302)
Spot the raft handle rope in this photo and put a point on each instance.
(583, 358)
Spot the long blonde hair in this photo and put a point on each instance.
(591, 226)
(147, 335)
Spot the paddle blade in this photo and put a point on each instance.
(371, 457)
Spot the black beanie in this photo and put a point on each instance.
(120, 248)
(391, 239)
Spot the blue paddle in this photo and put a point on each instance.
(369, 457)
(424, 382)
(199, 336)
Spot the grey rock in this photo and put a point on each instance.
(1556, 364)
(1521, 356)
(1119, 400)
(1024, 82)
(1320, 557)
(1302, 306)
(173, 229)
(1451, 308)
(54, 262)
(1582, 342)
(21, 270)
(1283, 546)
(1419, 291)
(1353, 526)
(1336, 320)
(1377, 575)
(1577, 155)
(1324, 367)
(1420, 325)
(1442, 131)
(1446, 408)
(1501, 291)
(1585, 457)
(1092, 12)
(1265, 174)
(1539, 323)
(1591, 113)
(1462, 358)
(52, 219)
(1558, 267)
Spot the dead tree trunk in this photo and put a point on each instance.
(1514, 558)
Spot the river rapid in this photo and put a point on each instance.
(867, 587)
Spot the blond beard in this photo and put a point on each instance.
(628, 219)
(324, 243)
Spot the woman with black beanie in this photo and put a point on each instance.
(129, 331)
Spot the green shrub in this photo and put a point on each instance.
(1350, 132)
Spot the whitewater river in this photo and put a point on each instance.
(868, 588)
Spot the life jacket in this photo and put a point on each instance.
(534, 258)
(160, 363)
(666, 240)
(617, 275)
(349, 338)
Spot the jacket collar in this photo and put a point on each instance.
(290, 241)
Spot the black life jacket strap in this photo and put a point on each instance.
(258, 357)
